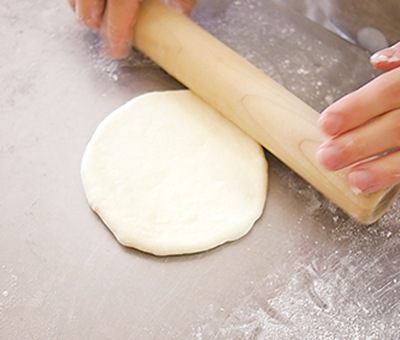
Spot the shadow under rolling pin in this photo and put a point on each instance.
(273, 116)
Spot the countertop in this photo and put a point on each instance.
(305, 271)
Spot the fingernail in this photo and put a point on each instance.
(329, 156)
(361, 181)
(388, 55)
(330, 125)
(379, 57)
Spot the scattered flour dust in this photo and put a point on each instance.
(352, 291)
(109, 68)
(344, 285)
(286, 51)
(348, 288)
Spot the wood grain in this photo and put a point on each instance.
(277, 119)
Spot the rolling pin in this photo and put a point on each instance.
(282, 123)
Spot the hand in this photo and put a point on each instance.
(365, 129)
(115, 19)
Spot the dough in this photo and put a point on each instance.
(169, 175)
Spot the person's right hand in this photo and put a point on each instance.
(364, 127)
(115, 19)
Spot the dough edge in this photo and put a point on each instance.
(154, 245)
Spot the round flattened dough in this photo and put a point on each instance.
(169, 175)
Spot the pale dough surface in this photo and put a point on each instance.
(169, 175)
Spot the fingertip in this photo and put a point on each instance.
(378, 58)
(92, 22)
(117, 50)
(115, 46)
(72, 4)
(387, 59)
(116, 27)
(378, 174)
(91, 16)
(329, 123)
(362, 181)
(329, 156)
(381, 60)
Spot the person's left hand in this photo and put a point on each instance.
(365, 129)
(115, 19)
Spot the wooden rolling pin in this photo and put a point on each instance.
(278, 120)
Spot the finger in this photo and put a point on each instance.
(387, 59)
(372, 139)
(380, 173)
(73, 4)
(377, 97)
(184, 6)
(119, 18)
(90, 12)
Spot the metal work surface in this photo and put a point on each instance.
(305, 271)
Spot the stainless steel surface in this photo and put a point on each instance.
(352, 20)
(305, 271)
